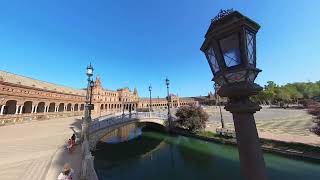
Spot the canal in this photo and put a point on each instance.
(155, 155)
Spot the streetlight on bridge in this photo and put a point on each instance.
(88, 105)
(218, 103)
(168, 102)
(150, 105)
(230, 48)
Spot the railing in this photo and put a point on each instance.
(87, 166)
(116, 119)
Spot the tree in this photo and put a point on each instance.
(289, 93)
(192, 118)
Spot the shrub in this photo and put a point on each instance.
(192, 118)
(314, 109)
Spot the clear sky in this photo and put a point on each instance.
(135, 43)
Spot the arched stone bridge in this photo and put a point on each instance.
(103, 125)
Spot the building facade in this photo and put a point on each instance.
(162, 103)
(24, 99)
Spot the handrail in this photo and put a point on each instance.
(115, 119)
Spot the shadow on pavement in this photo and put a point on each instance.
(63, 156)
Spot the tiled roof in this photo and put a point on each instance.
(26, 81)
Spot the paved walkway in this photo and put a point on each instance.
(278, 124)
(29, 150)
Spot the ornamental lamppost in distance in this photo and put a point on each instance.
(90, 102)
(230, 48)
(88, 105)
(150, 104)
(168, 102)
(218, 103)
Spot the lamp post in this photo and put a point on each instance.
(150, 104)
(88, 105)
(168, 100)
(90, 102)
(218, 103)
(122, 105)
(230, 48)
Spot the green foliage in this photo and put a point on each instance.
(207, 134)
(192, 118)
(289, 93)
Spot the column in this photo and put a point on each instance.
(32, 109)
(17, 109)
(36, 109)
(2, 108)
(20, 111)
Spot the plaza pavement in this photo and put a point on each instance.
(291, 125)
(36, 150)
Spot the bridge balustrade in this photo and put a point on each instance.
(116, 119)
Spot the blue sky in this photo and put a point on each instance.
(137, 43)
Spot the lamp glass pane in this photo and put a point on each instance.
(89, 71)
(231, 51)
(250, 47)
(236, 76)
(213, 60)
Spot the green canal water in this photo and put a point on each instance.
(155, 155)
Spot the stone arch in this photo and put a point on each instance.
(52, 107)
(10, 107)
(101, 107)
(76, 107)
(106, 106)
(61, 107)
(82, 107)
(41, 107)
(69, 107)
(27, 107)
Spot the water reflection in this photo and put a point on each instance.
(154, 155)
(122, 134)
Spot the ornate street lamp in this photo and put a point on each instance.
(90, 102)
(218, 103)
(88, 106)
(168, 101)
(230, 48)
(150, 105)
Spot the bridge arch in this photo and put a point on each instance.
(102, 127)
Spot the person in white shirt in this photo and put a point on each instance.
(66, 173)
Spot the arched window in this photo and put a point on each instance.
(27, 107)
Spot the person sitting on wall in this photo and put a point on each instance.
(70, 145)
(66, 173)
(73, 139)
